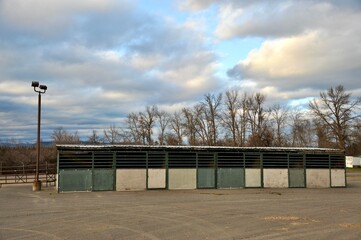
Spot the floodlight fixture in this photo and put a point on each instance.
(35, 84)
(38, 88)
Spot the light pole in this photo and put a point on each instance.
(40, 89)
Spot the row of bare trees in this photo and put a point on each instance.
(229, 119)
(240, 119)
(25, 156)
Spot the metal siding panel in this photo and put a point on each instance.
(230, 178)
(297, 177)
(206, 178)
(75, 180)
(103, 180)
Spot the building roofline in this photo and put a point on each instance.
(200, 148)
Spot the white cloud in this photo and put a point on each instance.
(106, 60)
(14, 87)
(195, 5)
(228, 17)
(49, 15)
(301, 55)
(282, 18)
(315, 58)
(288, 57)
(146, 61)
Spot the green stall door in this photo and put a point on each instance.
(103, 180)
(206, 178)
(75, 180)
(296, 177)
(230, 178)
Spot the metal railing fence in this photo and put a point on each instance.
(27, 174)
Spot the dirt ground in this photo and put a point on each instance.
(333, 213)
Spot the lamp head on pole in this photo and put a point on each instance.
(39, 88)
(35, 84)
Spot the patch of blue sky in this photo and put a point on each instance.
(300, 104)
(162, 8)
(232, 51)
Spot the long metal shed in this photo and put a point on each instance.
(138, 167)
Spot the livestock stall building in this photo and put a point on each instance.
(122, 168)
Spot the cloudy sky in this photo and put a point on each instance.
(102, 59)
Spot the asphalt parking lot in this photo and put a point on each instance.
(333, 213)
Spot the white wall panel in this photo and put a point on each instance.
(182, 178)
(131, 179)
(253, 177)
(318, 178)
(156, 178)
(338, 178)
(275, 178)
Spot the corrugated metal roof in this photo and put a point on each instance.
(201, 148)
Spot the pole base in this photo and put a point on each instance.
(36, 186)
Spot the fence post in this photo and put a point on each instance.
(46, 173)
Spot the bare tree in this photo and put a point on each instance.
(336, 110)
(354, 146)
(231, 117)
(257, 118)
(163, 120)
(147, 121)
(190, 125)
(112, 135)
(323, 134)
(301, 130)
(94, 138)
(176, 123)
(279, 117)
(244, 118)
(203, 125)
(135, 131)
(61, 136)
(211, 106)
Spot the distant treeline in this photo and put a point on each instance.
(25, 155)
(227, 119)
(240, 119)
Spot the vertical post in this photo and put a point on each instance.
(146, 166)
(215, 159)
(38, 139)
(38, 89)
(166, 170)
(37, 182)
(261, 169)
(197, 170)
(46, 173)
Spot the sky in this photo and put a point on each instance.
(103, 59)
